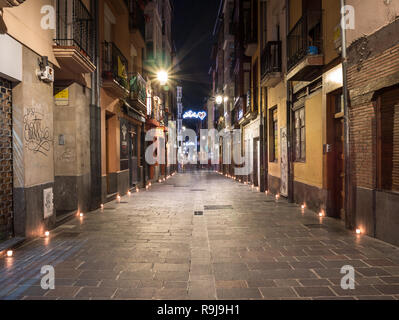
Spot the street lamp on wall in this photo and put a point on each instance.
(162, 77)
(219, 99)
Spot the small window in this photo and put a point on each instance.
(300, 135)
(273, 135)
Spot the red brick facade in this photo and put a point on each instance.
(6, 173)
(361, 77)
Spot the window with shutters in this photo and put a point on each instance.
(388, 140)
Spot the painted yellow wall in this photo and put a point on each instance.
(110, 103)
(23, 23)
(311, 172)
(295, 12)
(331, 18)
(277, 97)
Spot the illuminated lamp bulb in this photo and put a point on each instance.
(10, 253)
(47, 234)
(277, 197)
(358, 231)
(303, 206)
(81, 215)
(266, 192)
(137, 190)
(129, 193)
(102, 206)
(321, 214)
(118, 198)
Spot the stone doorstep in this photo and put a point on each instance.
(13, 243)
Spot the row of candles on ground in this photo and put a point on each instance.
(79, 214)
(277, 196)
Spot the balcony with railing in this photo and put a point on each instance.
(138, 92)
(74, 42)
(305, 47)
(114, 70)
(271, 64)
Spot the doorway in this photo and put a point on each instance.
(334, 150)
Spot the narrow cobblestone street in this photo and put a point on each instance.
(151, 245)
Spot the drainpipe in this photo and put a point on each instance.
(349, 217)
(95, 119)
(262, 186)
(288, 111)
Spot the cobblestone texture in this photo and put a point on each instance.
(151, 246)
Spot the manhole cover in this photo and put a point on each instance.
(218, 207)
(198, 213)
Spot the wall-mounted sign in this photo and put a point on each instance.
(48, 205)
(195, 115)
(61, 96)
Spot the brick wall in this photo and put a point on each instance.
(364, 78)
(6, 173)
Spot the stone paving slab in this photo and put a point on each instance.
(152, 246)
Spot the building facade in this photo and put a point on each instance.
(307, 140)
(76, 99)
(373, 86)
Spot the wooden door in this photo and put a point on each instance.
(339, 168)
(334, 151)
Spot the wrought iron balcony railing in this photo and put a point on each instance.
(115, 65)
(305, 38)
(138, 88)
(271, 58)
(75, 26)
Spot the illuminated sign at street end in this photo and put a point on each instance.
(195, 115)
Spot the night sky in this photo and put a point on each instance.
(194, 21)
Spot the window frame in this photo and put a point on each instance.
(273, 135)
(302, 134)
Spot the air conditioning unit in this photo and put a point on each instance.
(47, 74)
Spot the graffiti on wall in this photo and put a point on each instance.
(36, 134)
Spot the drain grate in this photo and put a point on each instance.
(218, 207)
(198, 213)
